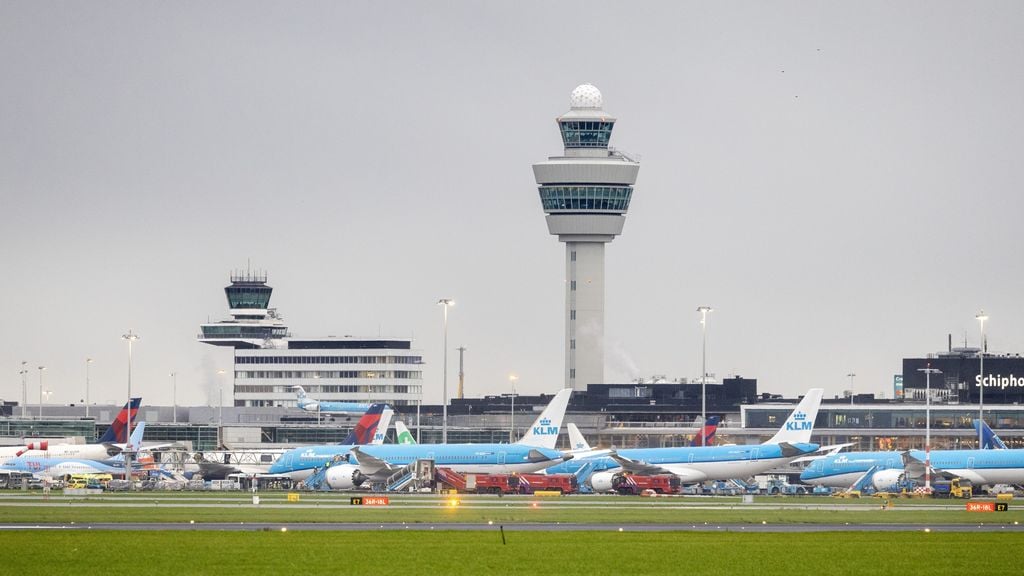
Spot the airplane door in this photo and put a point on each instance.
(970, 463)
(501, 458)
(691, 458)
(755, 454)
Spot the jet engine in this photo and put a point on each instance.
(603, 481)
(344, 477)
(33, 446)
(887, 480)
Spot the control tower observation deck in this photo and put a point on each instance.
(585, 194)
(253, 323)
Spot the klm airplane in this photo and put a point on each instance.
(699, 463)
(350, 466)
(310, 405)
(884, 470)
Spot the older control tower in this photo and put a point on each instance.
(585, 194)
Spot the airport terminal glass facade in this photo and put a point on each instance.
(590, 198)
(586, 133)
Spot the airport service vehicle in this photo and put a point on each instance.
(564, 483)
(637, 483)
(310, 405)
(952, 488)
(492, 483)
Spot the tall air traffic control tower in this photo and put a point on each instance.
(585, 194)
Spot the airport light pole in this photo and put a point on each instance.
(981, 317)
(220, 409)
(445, 302)
(88, 361)
(174, 394)
(703, 368)
(512, 412)
(41, 368)
(24, 389)
(130, 337)
(928, 371)
(851, 376)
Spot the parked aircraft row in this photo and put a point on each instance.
(364, 458)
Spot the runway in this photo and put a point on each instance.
(552, 527)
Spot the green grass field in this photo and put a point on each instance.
(533, 553)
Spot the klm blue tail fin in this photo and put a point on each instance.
(989, 440)
(115, 433)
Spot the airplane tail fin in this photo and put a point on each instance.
(115, 433)
(707, 432)
(800, 424)
(135, 442)
(989, 439)
(577, 443)
(366, 427)
(383, 425)
(545, 429)
(300, 394)
(403, 436)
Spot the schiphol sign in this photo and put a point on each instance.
(999, 381)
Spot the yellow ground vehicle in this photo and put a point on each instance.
(88, 480)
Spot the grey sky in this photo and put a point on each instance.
(840, 180)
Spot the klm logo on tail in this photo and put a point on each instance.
(544, 428)
(799, 422)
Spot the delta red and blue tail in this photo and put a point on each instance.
(366, 427)
(708, 432)
(115, 433)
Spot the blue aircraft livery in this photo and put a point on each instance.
(310, 405)
(699, 463)
(884, 470)
(351, 466)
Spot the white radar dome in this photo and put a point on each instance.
(586, 96)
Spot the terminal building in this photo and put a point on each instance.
(269, 362)
(958, 379)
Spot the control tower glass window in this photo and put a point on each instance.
(588, 198)
(586, 133)
(252, 296)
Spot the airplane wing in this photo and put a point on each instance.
(915, 468)
(638, 467)
(823, 452)
(369, 464)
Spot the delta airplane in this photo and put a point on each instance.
(353, 465)
(110, 444)
(699, 463)
(310, 405)
(59, 467)
(885, 470)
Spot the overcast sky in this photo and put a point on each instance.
(841, 181)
